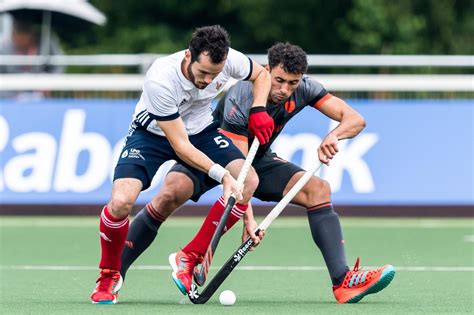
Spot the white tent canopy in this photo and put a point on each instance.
(78, 8)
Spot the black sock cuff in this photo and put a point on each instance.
(320, 208)
(153, 214)
(148, 219)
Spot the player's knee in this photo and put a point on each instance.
(167, 201)
(319, 191)
(120, 206)
(324, 189)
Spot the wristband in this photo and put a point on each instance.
(257, 109)
(217, 172)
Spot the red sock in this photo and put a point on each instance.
(113, 233)
(203, 237)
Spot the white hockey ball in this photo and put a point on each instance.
(227, 297)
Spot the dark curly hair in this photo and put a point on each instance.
(212, 39)
(291, 57)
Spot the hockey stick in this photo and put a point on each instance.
(201, 274)
(239, 254)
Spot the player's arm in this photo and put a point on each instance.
(262, 83)
(175, 132)
(350, 124)
(260, 123)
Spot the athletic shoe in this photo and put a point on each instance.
(108, 285)
(357, 283)
(183, 266)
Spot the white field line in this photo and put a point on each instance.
(282, 224)
(469, 238)
(242, 268)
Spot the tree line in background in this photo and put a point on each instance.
(320, 27)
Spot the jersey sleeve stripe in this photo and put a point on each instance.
(251, 69)
(164, 118)
(232, 135)
(320, 100)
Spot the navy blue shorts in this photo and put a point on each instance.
(145, 152)
(273, 172)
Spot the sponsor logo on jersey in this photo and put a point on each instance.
(290, 106)
(218, 85)
(124, 154)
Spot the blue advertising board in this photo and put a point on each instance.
(415, 152)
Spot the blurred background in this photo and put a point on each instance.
(71, 73)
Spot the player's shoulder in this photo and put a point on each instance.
(309, 85)
(240, 89)
(309, 81)
(165, 66)
(163, 72)
(235, 59)
(233, 54)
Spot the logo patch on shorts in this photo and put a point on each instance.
(135, 154)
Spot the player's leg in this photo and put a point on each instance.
(203, 237)
(229, 156)
(348, 286)
(324, 223)
(113, 231)
(142, 155)
(325, 228)
(183, 262)
(176, 190)
(277, 177)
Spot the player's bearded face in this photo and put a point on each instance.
(283, 84)
(202, 71)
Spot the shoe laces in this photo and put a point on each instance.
(107, 279)
(187, 260)
(357, 276)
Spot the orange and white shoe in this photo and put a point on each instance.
(108, 285)
(358, 283)
(183, 267)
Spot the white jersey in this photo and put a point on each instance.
(167, 94)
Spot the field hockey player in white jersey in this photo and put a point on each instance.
(173, 121)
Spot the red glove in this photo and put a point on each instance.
(261, 124)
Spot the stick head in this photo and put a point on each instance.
(193, 293)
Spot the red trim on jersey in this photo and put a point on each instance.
(232, 135)
(322, 100)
